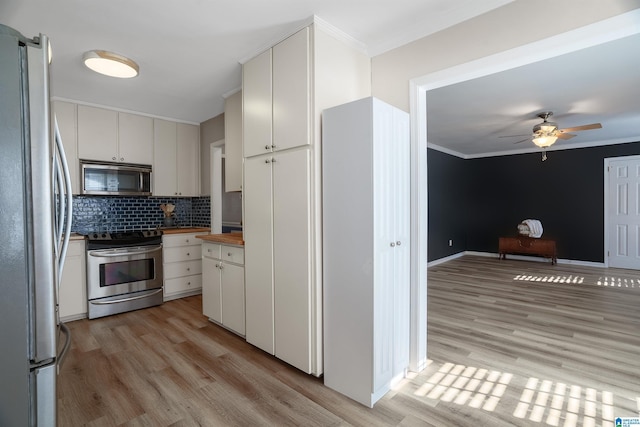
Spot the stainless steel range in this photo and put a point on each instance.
(124, 271)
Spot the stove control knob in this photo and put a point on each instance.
(104, 235)
(95, 235)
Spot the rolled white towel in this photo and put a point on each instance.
(535, 227)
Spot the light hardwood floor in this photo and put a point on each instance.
(510, 343)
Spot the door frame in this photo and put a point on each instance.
(215, 166)
(591, 35)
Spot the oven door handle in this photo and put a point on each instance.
(115, 301)
(125, 252)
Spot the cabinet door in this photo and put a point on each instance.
(211, 289)
(385, 243)
(73, 293)
(256, 105)
(233, 143)
(258, 252)
(135, 138)
(291, 243)
(233, 297)
(164, 158)
(291, 91)
(188, 160)
(402, 253)
(65, 112)
(97, 134)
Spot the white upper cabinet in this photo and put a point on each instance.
(110, 136)
(188, 159)
(257, 105)
(176, 159)
(97, 134)
(233, 142)
(165, 182)
(276, 97)
(291, 92)
(135, 138)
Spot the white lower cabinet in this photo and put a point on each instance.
(72, 297)
(182, 265)
(223, 285)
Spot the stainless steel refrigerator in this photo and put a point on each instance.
(35, 219)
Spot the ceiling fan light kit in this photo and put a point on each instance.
(545, 134)
(110, 64)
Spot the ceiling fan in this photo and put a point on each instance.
(545, 134)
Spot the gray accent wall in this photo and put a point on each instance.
(475, 201)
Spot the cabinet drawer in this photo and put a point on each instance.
(232, 254)
(184, 268)
(184, 253)
(181, 284)
(211, 250)
(177, 240)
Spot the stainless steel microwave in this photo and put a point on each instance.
(115, 179)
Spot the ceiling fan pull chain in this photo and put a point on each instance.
(544, 155)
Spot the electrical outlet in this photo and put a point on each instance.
(450, 242)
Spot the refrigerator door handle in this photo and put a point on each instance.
(66, 207)
(65, 348)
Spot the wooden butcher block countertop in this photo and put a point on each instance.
(228, 238)
(186, 230)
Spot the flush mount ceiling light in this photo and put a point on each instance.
(110, 64)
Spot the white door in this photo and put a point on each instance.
(623, 212)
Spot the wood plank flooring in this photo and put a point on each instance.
(510, 343)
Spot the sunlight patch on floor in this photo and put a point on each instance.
(550, 278)
(541, 401)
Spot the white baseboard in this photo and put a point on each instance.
(517, 257)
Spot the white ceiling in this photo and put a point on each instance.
(189, 50)
(599, 84)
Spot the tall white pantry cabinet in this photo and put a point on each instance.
(366, 248)
(285, 89)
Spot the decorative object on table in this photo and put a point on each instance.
(169, 218)
(530, 228)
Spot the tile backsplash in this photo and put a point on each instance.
(95, 213)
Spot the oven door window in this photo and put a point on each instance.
(116, 273)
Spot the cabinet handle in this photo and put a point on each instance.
(398, 243)
(228, 253)
(393, 244)
(113, 158)
(188, 253)
(267, 161)
(122, 159)
(221, 267)
(188, 269)
(267, 147)
(273, 146)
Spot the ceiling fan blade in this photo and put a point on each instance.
(522, 140)
(583, 127)
(512, 136)
(561, 135)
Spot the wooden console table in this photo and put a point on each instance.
(528, 246)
